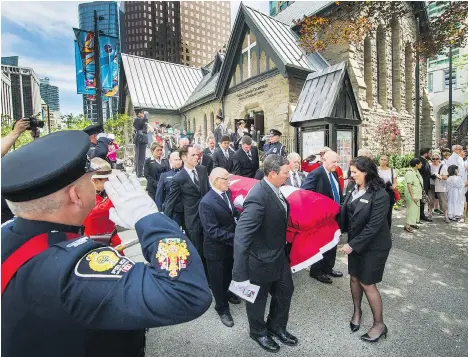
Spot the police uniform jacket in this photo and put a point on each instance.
(274, 148)
(162, 192)
(79, 298)
(100, 149)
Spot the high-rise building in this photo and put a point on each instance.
(109, 25)
(186, 32)
(277, 6)
(10, 61)
(25, 91)
(7, 103)
(438, 76)
(50, 94)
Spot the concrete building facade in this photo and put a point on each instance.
(50, 94)
(7, 103)
(25, 91)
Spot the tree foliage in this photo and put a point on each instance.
(351, 22)
(121, 125)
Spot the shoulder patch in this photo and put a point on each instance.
(104, 262)
(172, 255)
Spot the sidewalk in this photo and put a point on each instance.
(424, 291)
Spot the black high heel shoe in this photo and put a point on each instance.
(367, 338)
(354, 327)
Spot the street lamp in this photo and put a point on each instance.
(97, 18)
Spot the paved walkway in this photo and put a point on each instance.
(424, 291)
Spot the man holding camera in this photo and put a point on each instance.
(9, 140)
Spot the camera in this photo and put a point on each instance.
(34, 123)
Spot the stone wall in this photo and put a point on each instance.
(172, 119)
(394, 96)
(198, 114)
(270, 96)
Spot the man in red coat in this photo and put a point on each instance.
(308, 166)
(97, 224)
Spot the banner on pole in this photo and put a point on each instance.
(84, 62)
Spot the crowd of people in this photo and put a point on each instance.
(202, 246)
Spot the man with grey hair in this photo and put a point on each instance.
(324, 180)
(245, 161)
(218, 217)
(365, 152)
(296, 177)
(203, 159)
(260, 256)
(457, 159)
(183, 142)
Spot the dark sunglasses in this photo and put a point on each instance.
(435, 159)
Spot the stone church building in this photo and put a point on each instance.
(347, 91)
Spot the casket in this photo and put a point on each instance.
(312, 227)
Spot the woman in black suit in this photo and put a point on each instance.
(364, 217)
(154, 167)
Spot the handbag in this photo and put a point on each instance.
(397, 194)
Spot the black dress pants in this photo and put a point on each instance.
(140, 155)
(324, 266)
(220, 275)
(281, 291)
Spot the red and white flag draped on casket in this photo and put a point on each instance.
(312, 228)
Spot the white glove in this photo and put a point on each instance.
(101, 135)
(130, 201)
(240, 285)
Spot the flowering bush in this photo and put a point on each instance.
(389, 136)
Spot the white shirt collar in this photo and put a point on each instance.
(189, 170)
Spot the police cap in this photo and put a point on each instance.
(45, 165)
(94, 129)
(275, 132)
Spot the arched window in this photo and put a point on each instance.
(205, 126)
(381, 68)
(188, 125)
(212, 122)
(396, 65)
(368, 70)
(409, 78)
(194, 130)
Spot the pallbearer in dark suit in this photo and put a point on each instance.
(245, 160)
(154, 167)
(223, 155)
(204, 160)
(260, 256)
(218, 217)
(296, 177)
(210, 146)
(189, 185)
(324, 180)
(363, 216)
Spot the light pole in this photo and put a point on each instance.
(97, 74)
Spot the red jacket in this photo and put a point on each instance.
(97, 223)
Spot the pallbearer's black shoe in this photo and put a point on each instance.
(234, 300)
(267, 343)
(226, 319)
(336, 274)
(284, 336)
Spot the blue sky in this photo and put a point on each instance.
(40, 33)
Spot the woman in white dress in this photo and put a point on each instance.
(389, 175)
(455, 194)
(439, 176)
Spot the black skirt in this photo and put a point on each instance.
(368, 267)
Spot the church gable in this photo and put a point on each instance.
(251, 60)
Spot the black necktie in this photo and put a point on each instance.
(225, 198)
(295, 181)
(195, 178)
(249, 155)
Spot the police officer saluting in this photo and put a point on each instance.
(99, 141)
(67, 295)
(274, 146)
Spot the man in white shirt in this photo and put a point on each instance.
(457, 159)
(296, 177)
